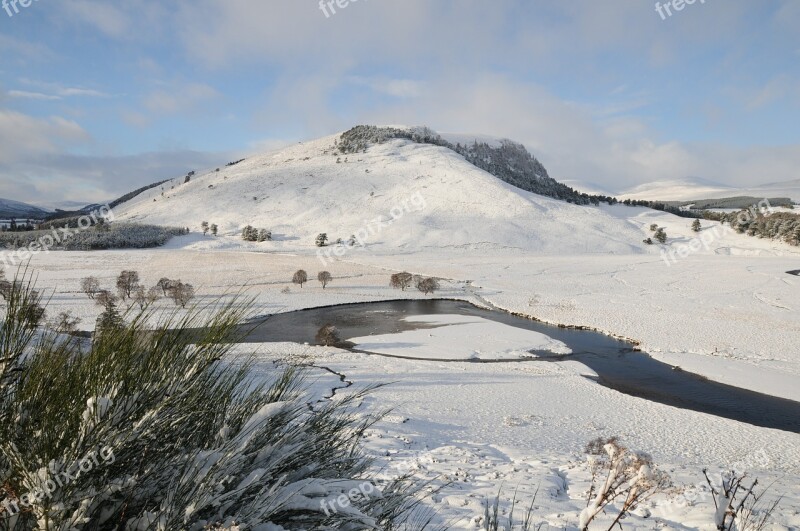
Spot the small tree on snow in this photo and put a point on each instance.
(127, 282)
(165, 284)
(401, 280)
(205, 227)
(660, 235)
(653, 227)
(300, 277)
(264, 235)
(322, 240)
(427, 285)
(90, 286)
(324, 278)
(181, 293)
(696, 225)
(214, 229)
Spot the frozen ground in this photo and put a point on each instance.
(456, 337)
(726, 308)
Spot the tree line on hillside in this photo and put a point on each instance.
(782, 226)
(509, 161)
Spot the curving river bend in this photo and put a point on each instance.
(616, 363)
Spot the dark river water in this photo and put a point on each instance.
(615, 362)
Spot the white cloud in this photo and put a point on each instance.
(23, 94)
(26, 136)
(179, 98)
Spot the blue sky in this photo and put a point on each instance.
(99, 98)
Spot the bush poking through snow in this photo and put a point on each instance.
(738, 506)
(619, 476)
(492, 521)
(195, 443)
(328, 336)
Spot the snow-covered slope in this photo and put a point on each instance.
(398, 196)
(16, 209)
(696, 188)
(679, 190)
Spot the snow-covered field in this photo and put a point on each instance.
(726, 308)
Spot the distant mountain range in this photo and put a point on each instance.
(17, 210)
(694, 188)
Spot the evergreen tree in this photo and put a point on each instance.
(696, 225)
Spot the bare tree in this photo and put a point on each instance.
(181, 293)
(300, 277)
(401, 280)
(324, 278)
(427, 285)
(127, 281)
(328, 336)
(65, 323)
(105, 298)
(145, 298)
(90, 286)
(165, 284)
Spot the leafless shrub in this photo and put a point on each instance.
(738, 506)
(328, 336)
(619, 474)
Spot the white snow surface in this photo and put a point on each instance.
(696, 188)
(727, 310)
(454, 337)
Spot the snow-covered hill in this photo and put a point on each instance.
(16, 209)
(679, 190)
(693, 188)
(397, 196)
